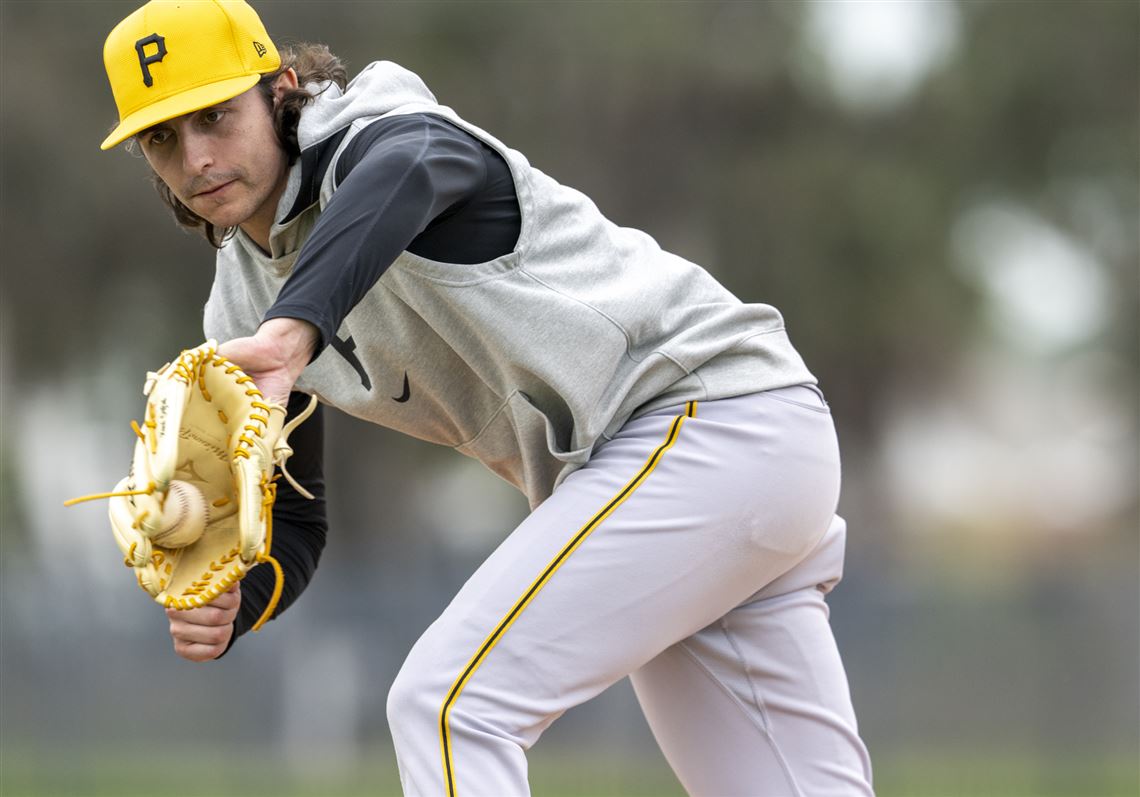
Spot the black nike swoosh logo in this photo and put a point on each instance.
(407, 394)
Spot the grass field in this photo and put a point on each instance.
(188, 775)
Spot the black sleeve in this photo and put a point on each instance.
(299, 525)
(396, 177)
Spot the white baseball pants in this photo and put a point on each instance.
(692, 553)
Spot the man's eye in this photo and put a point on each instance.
(213, 115)
(157, 138)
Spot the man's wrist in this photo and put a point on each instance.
(294, 338)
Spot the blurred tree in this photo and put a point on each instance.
(683, 119)
(693, 121)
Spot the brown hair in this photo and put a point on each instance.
(313, 64)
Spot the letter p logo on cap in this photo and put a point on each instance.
(146, 60)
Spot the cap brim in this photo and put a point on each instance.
(182, 103)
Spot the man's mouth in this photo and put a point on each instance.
(213, 190)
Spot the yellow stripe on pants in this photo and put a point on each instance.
(539, 583)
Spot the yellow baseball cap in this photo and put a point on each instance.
(171, 57)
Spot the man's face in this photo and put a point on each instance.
(223, 162)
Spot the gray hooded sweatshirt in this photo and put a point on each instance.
(525, 362)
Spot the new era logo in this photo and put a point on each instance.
(260, 49)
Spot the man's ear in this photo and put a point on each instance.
(286, 81)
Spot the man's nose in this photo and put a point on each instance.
(197, 153)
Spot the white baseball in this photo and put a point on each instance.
(184, 516)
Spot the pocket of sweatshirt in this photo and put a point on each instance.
(519, 445)
(457, 274)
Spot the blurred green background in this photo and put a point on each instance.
(941, 197)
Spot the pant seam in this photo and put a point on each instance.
(761, 725)
(761, 707)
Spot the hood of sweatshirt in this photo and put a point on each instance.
(380, 87)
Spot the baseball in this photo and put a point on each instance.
(183, 518)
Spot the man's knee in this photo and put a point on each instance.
(415, 701)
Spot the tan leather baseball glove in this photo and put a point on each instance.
(194, 514)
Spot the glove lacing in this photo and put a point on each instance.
(191, 368)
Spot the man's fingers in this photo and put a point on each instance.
(202, 634)
(199, 642)
(275, 356)
(184, 632)
(221, 610)
(230, 599)
(198, 652)
(210, 625)
(207, 615)
(250, 354)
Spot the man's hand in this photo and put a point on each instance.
(275, 355)
(203, 634)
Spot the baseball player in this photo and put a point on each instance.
(403, 265)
